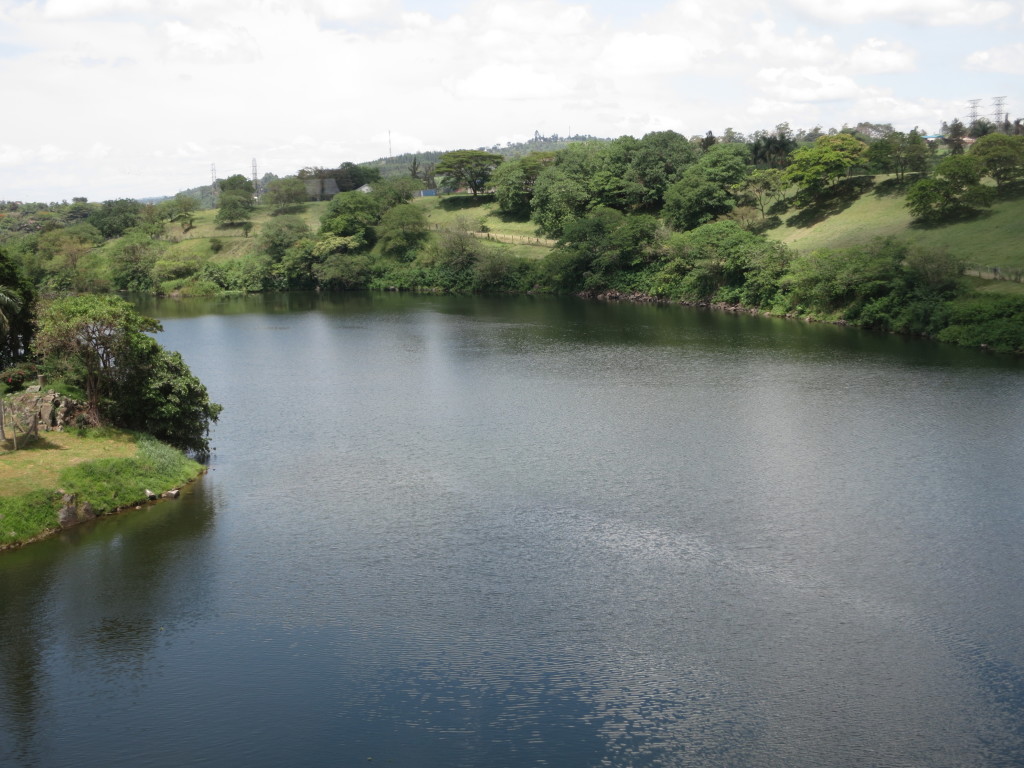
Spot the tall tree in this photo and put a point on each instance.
(286, 193)
(954, 190)
(101, 344)
(468, 168)
(900, 152)
(816, 168)
(1001, 156)
(954, 134)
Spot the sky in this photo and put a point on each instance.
(107, 99)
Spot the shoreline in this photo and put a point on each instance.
(93, 488)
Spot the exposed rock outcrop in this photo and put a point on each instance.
(72, 513)
(51, 410)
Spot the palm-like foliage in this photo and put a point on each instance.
(10, 303)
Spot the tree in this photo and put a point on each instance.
(114, 217)
(955, 190)
(1001, 156)
(655, 162)
(513, 182)
(401, 230)
(468, 168)
(900, 152)
(162, 397)
(281, 233)
(762, 187)
(129, 380)
(816, 168)
(705, 190)
(17, 301)
(131, 259)
(954, 135)
(351, 214)
(235, 203)
(286, 193)
(772, 150)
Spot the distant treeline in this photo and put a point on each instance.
(662, 217)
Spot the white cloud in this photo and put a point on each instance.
(926, 12)
(879, 57)
(143, 95)
(803, 84)
(81, 9)
(1008, 59)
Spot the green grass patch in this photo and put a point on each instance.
(992, 239)
(26, 516)
(106, 483)
(481, 214)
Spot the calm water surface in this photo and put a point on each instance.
(533, 532)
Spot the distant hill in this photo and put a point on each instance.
(399, 165)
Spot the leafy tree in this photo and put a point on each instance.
(900, 152)
(162, 397)
(235, 203)
(468, 168)
(954, 134)
(100, 344)
(454, 251)
(286, 193)
(281, 233)
(657, 161)
(558, 198)
(1001, 156)
(234, 208)
(816, 168)
(388, 193)
(954, 190)
(981, 127)
(513, 182)
(772, 150)
(705, 190)
(762, 187)
(401, 231)
(351, 214)
(237, 183)
(132, 259)
(179, 207)
(597, 247)
(17, 301)
(114, 217)
(92, 339)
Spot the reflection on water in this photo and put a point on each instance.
(462, 531)
(101, 595)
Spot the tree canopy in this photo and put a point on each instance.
(468, 168)
(100, 343)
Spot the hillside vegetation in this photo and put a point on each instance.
(991, 239)
(865, 225)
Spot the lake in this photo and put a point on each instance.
(529, 531)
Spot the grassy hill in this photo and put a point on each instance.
(874, 206)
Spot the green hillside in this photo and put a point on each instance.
(992, 239)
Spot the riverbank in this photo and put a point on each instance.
(65, 478)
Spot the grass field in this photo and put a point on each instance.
(993, 239)
(40, 464)
(481, 215)
(108, 469)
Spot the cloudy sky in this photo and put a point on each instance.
(135, 98)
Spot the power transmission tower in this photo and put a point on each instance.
(255, 182)
(974, 109)
(213, 181)
(999, 107)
